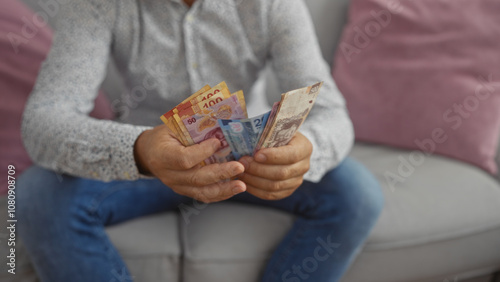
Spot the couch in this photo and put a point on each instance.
(441, 224)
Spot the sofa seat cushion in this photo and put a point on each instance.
(442, 198)
(440, 207)
(231, 241)
(150, 247)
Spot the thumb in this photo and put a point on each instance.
(193, 155)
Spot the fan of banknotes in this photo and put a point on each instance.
(213, 112)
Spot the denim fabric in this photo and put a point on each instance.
(62, 222)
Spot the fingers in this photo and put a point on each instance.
(273, 182)
(213, 193)
(202, 176)
(215, 173)
(206, 184)
(158, 149)
(274, 172)
(298, 149)
(270, 195)
(179, 167)
(188, 157)
(271, 185)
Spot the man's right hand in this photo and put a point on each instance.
(157, 152)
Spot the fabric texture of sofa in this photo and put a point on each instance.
(441, 224)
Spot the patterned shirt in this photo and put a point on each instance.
(165, 51)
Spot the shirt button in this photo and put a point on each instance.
(189, 18)
(194, 65)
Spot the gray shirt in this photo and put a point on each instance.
(165, 51)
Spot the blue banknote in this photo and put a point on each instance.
(243, 135)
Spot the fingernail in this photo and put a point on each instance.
(260, 157)
(238, 189)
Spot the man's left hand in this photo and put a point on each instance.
(275, 173)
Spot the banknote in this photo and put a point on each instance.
(241, 100)
(203, 125)
(236, 137)
(219, 91)
(205, 93)
(270, 119)
(168, 118)
(204, 107)
(189, 112)
(197, 93)
(292, 111)
(206, 104)
(203, 99)
(242, 135)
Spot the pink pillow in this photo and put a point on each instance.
(424, 74)
(24, 44)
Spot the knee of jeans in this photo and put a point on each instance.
(373, 203)
(359, 190)
(34, 195)
(370, 200)
(28, 185)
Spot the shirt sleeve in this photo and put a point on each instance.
(57, 132)
(297, 61)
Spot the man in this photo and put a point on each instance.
(193, 43)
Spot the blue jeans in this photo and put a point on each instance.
(62, 221)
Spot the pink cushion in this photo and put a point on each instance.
(424, 74)
(24, 44)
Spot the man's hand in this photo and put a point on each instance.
(157, 152)
(275, 173)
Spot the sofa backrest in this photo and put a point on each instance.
(498, 161)
(329, 17)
